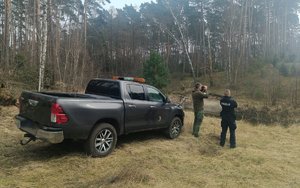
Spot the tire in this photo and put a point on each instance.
(102, 140)
(174, 129)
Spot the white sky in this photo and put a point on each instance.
(121, 3)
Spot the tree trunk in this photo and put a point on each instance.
(35, 30)
(57, 43)
(7, 33)
(85, 42)
(184, 41)
(211, 82)
(243, 27)
(43, 48)
(203, 39)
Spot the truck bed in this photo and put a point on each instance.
(33, 103)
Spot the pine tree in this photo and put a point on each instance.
(155, 71)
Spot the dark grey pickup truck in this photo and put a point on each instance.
(109, 108)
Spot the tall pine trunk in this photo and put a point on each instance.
(85, 42)
(43, 47)
(7, 25)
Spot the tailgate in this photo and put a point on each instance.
(36, 107)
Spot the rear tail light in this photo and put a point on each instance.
(58, 115)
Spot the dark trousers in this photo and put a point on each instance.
(225, 124)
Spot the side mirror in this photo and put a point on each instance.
(167, 100)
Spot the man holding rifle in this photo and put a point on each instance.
(198, 94)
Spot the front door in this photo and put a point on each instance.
(159, 109)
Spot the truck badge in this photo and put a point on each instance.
(33, 102)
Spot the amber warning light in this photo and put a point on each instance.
(135, 79)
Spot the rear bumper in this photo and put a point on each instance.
(49, 134)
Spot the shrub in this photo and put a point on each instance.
(156, 72)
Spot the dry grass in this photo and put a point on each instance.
(266, 156)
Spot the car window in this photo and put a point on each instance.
(104, 87)
(136, 92)
(154, 95)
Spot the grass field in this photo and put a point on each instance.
(266, 156)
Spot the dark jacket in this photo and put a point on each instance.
(198, 102)
(228, 104)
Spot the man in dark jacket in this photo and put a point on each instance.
(198, 94)
(228, 118)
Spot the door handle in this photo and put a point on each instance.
(131, 106)
(152, 106)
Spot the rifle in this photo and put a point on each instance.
(215, 95)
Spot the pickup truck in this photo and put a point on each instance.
(109, 108)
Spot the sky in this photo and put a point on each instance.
(121, 3)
